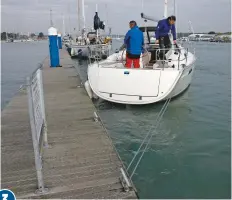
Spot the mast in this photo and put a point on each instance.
(97, 29)
(69, 21)
(175, 13)
(107, 15)
(165, 8)
(51, 22)
(83, 13)
(79, 15)
(63, 25)
(142, 6)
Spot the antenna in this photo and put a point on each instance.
(51, 22)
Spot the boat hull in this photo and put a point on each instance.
(183, 83)
(180, 83)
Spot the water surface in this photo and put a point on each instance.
(189, 155)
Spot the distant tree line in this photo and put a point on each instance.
(17, 36)
(10, 35)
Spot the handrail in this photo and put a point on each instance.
(182, 56)
(96, 52)
(165, 49)
(143, 55)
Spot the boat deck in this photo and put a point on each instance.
(81, 161)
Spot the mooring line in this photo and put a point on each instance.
(157, 118)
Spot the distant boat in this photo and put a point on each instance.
(201, 37)
(184, 39)
(30, 40)
(88, 44)
(118, 38)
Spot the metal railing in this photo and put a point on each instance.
(37, 121)
(144, 54)
(161, 55)
(98, 52)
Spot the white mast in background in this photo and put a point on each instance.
(142, 6)
(175, 13)
(96, 8)
(79, 15)
(97, 29)
(69, 20)
(63, 25)
(51, 21)
(106, 7)
(165, 8)
(83, 12)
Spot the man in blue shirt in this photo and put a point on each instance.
(163, 29)
(134, 42)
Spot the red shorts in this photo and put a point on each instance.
(132, 61)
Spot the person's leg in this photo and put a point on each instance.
(162, 48)
(136, 62)
(167, 42)
(128, 62)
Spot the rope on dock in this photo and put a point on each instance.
(149, 136)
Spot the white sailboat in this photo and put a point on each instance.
(86, 43)
(157, 78)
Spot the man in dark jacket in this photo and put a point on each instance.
(163, 29)
(134, 43)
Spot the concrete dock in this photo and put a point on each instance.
(81, 162)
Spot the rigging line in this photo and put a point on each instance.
(168, 100)
(157, 118)
(146, 137)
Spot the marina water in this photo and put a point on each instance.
(189, 155)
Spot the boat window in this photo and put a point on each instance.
(151, 36)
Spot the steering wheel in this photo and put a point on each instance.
(141, 56)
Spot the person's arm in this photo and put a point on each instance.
(174, 32)
(127, 37)
(122, 47)
(157, 33)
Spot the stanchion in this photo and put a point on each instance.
(59, 41)
(53, 47)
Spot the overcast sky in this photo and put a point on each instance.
(33, 15)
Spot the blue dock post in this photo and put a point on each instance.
(53, 47)
(59, 41)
